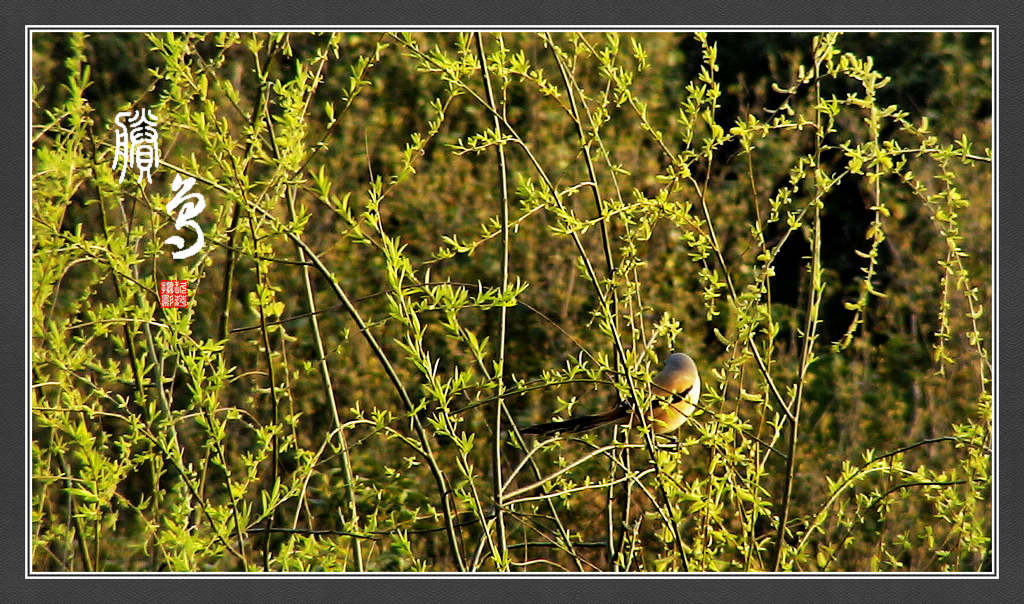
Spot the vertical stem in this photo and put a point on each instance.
(769, 348)
(275, 443)
(229, 273)
(325, 374)
(261, 101)
(810, 327)
(232, 261)
(325, 378)
(262, 75)
(129, 338)
(610, 265)
(500, 377)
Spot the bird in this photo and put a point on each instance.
(678, 379)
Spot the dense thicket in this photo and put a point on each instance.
(417, 242)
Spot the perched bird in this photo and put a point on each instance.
(678, 379)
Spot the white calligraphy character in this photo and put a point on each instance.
(136, 147)
(189, 210)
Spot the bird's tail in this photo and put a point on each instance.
(579, 424)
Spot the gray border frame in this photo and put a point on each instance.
(533, 15)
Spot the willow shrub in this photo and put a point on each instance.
(417, 242)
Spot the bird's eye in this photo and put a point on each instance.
(682, 395)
